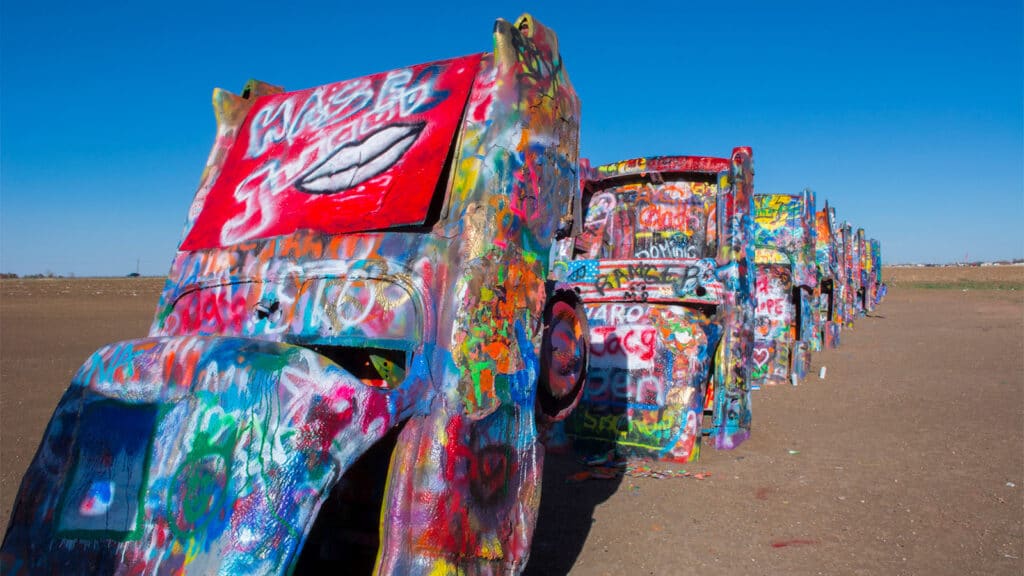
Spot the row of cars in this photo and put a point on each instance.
(815, 275)
(390, 293)
(698, 290)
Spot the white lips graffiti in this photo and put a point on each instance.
(354, 163)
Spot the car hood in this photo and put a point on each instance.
(195, 454)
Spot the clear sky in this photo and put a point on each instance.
(907, 116)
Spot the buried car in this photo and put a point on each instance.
(829, 303)
(787, 277)
(356, 345)
(870, 272)
(878, 288)
(661, 267)
(851, 253)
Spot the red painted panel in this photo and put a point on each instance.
(363, 154)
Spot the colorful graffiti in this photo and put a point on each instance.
(170, 448)
(870, 272)
(775, 321)
(853, 251)
(784, 233)
(731, 379)
(846, 273)
(829, 302)
(650, 221)
(689, 280)
(859, 278)
(878, 288)
(345, 157)
(657, 296)
(386, 296)
(358, 345)
(787, 279)
(646, 382)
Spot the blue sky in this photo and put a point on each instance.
(908, 118)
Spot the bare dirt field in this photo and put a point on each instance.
(988, 277)
(908, 458)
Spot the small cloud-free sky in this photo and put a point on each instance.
(908, 117)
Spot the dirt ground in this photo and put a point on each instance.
(949, 276)
(908, 458)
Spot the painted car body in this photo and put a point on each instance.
(828, 251)
(343, 368)
(856, 248)
(851, 277)
(784, 244)
(878, 288)
(661, 285)
(870, 272)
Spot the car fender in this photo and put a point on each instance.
(194, 455)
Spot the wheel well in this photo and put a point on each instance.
(549, 406)
(345, 535)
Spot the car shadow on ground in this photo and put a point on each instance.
(566, 514)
